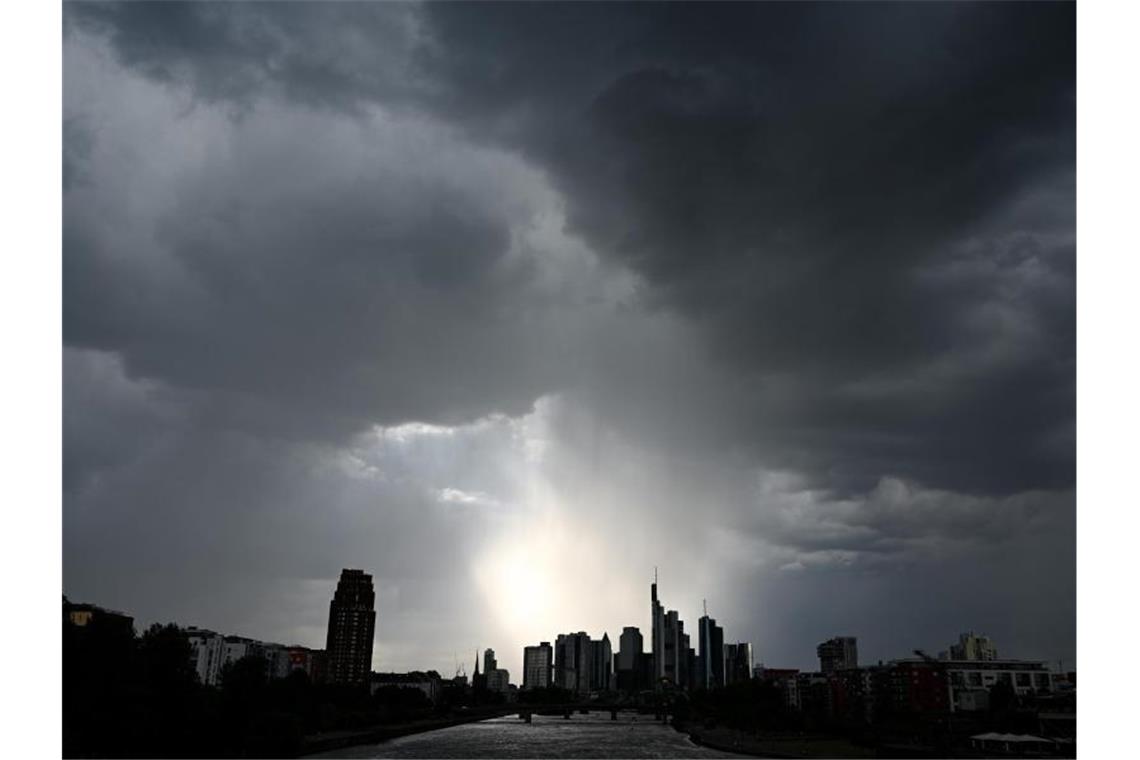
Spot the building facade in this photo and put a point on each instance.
(352, 623)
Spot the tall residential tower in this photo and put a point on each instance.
(352, 622)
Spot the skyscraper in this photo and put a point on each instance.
(710, 638)
(601, 664)
(538, 662)
(352, 622)
(839, 653)
(657, 632)
(573, 661)
(670, 644)
(629, 647)
(628, 662)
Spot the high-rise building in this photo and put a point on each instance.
(670, 644)
(573, 662)
(671, 655)
(657, 632)
(710, 638)
(489, 661)
(601, 664)
(538, 661)
(973, 647)
(628, 661)
(737, 663)
(838, 653)
(630, 645)
(352, 623)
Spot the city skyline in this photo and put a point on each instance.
(970, 646)
(509, 304)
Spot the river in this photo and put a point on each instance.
(582, 735)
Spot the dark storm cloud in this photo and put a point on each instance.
(787, 177)
(829, 247)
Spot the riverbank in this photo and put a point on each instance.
(742, 743)
(334, 740)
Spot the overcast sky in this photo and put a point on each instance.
(507, 305)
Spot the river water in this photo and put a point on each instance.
(588, 735)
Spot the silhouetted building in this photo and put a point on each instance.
(837, 654)
(311, 661)
(782, 678)
(657, 633)
(489, 661)
(628, 675)
(429, 683)
(737, 663)
(710, 638)
(673, 659)
(478, 680)
(498, 680)
(538, 664)
(352, 623)
(601, 664)
(82, 615)
(573, 655)
(630, 645)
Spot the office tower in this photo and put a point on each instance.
(601, 664)
(538, 661)
(710, 639)
(628, 661)
(573, 662)
(630, 645)
(737, 663)
(686, 665)
(973, 647)
(657, 631)
(838, 653)
(670, 644)
(672, 651)
(489, 662)
(352, 622)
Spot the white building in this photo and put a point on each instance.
(210, 652)
(207, 655)
(969, 681)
